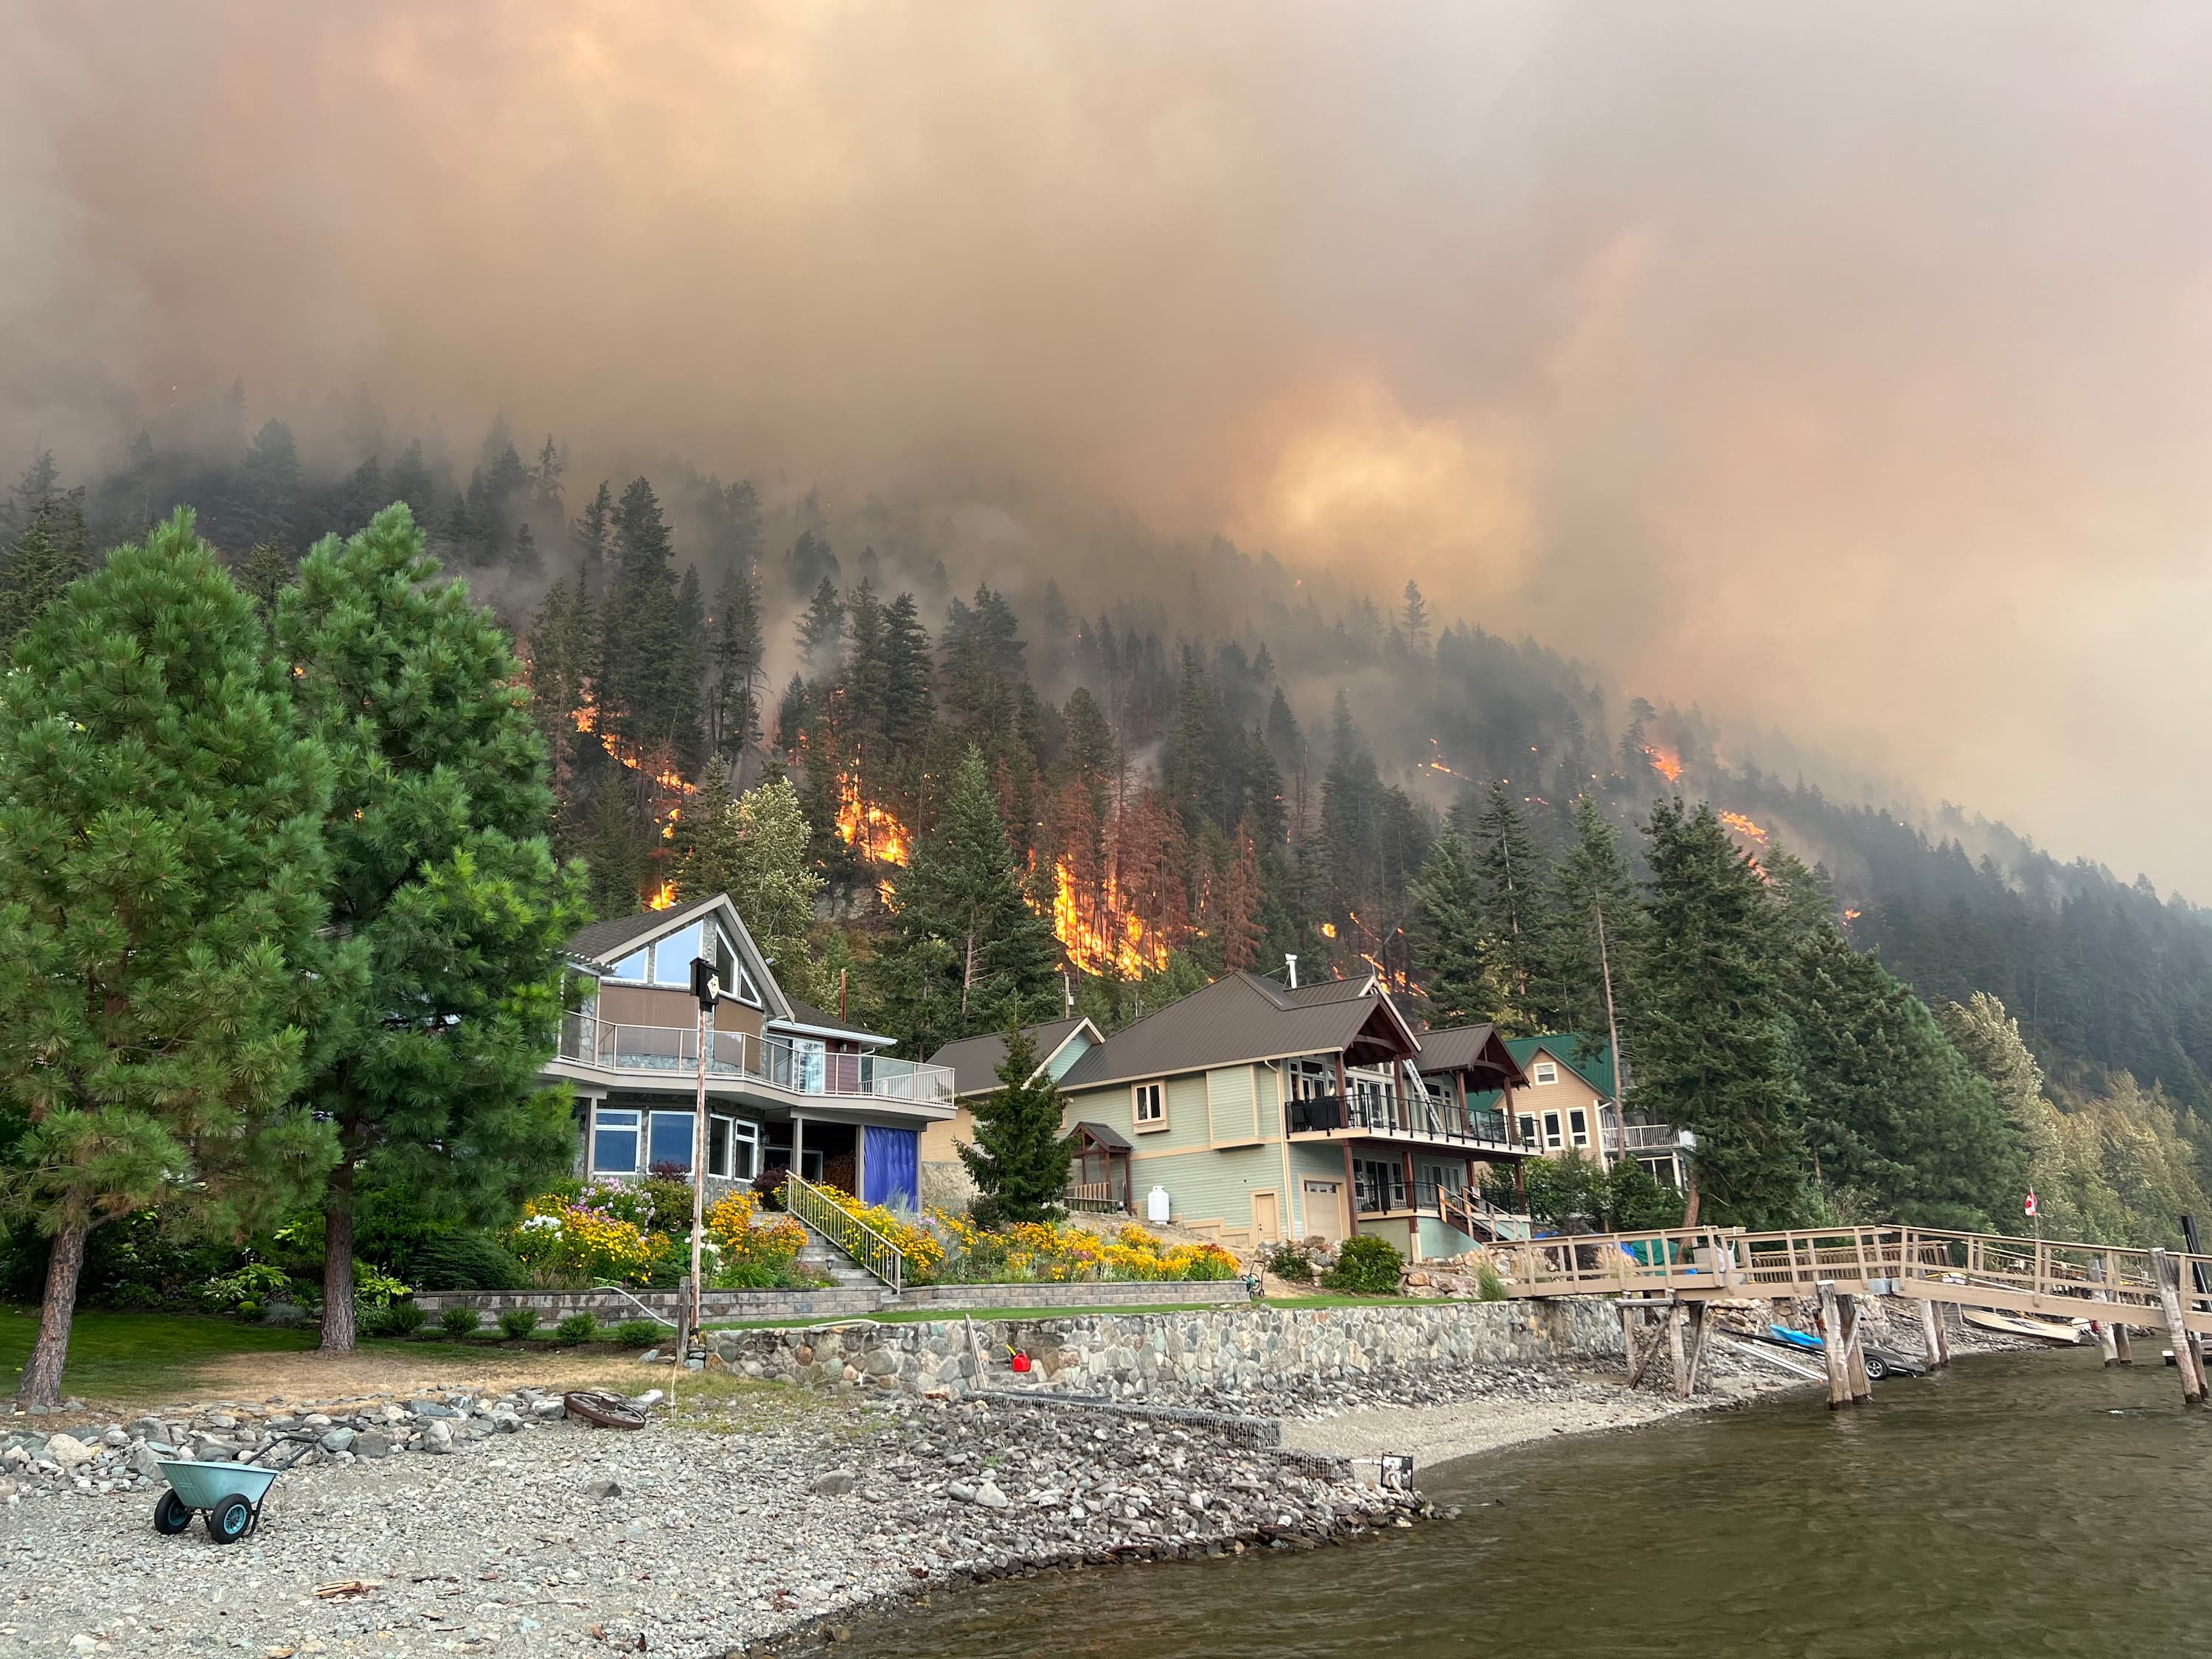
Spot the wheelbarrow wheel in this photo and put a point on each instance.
(228, 1521)
(172, 1515)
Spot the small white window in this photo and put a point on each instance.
(614, 1143)
(1552, 1141)
(747, 992)
(734, 1149)
(1544, 1071)
(1151, 1105)
(1578, 1127)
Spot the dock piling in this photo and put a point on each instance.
(1832, 1346)
(2167, 1272)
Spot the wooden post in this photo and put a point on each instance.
(2104, 1330)
(2163, 1269)
(1674, 1349)
(1832, 1346)
(1855, 1351)
(2120, 1343)
(1942, 1340)
(1931, 1333)
(1628, 1341)
(1700, 1323)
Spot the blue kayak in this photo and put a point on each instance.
(1794, 1338)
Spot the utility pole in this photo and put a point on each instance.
(708, 989)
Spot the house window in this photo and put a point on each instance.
(733, 1148)
(634, 968)
(671, 956)
(1529, 1130)
(1151, 1107)
(1578, 1127)
(1544, 1071)
(1551, 1141)
(614, 1143)
(669, 1150)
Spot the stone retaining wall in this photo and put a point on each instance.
(1122, 1356)
(832, 1303)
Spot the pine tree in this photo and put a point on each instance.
(755, 849)
(1988, 1039)
(1020, 1156)
(162, 880)
(53, 549)
(410, 482)
(592, 534)
(961, 909)
(821, 632)
(1594, 929)
(269, 483)
(1900, 1128)
(1414, 619)
(264, 572)
(909, 713)
(442, 871)
(1711, 1048)
(615, 847)
(545, 479)
(1458, 959)
(734, 701)
(1512, 878)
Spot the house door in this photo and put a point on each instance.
(1324, 1208)
(1265, 1225)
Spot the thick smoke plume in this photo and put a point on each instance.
(1843, 369)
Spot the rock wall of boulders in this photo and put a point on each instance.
(1249, 1350)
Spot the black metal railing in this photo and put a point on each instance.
(1394, 1114)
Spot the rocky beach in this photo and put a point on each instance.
(746, 1512)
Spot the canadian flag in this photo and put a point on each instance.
(2030, 1205)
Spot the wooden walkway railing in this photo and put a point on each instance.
(1985, 1270)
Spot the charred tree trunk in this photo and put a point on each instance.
(42, 1373)
(338, 1332)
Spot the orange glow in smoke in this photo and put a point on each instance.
(1664, 760)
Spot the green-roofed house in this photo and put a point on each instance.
(1571, 1102)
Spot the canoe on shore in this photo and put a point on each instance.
(2068, 1332)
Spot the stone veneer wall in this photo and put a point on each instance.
(832, 1303)
(1250, 1350)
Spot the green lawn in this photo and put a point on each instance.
(147, 1359)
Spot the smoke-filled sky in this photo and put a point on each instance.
(1847, 368)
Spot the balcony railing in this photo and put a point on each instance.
(776, 1061)
(1391, 1114)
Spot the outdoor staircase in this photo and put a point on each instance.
(845, 1273)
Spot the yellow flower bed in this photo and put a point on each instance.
(1040, 1252)
(924, 1254)
(735, 1224)
(563, 1241)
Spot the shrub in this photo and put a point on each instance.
(1488, 1285)
(577, 1327)
(1043, 1252)
(1290, 1262)
(246, 1290)
(1367, 1266)
(403, 1319)
(464, 1261)
(639, 1332)
(459, 1323)
(373, 1287)
(745, 1246)
(767, 1186)
(516, 1323)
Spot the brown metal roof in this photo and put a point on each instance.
(1475, 1049)
(975, 1060)
(1240, 1018)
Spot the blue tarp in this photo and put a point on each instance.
(890, 1164)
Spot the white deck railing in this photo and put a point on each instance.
(776, 1061)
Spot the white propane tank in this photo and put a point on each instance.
(1158, 1205)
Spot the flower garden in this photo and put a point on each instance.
(638, 1234)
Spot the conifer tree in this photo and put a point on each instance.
(1900, 1128)
(754, 848)
(443, 873)
(52, 551)
(615, 848)
(545, 478)
(821, 632)
(1711, 1047)
(269, 483)
(1512, 877)
(1988, 1039)
(1020, 1156)
(986, 958)
(161, 882)
(734, 702)
(1594, 929)
(262, 573)
(1458, 959)
(909, 713)
(592, 534)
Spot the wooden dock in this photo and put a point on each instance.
(1680, 1273)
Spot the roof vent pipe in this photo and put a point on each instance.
(1292, 963)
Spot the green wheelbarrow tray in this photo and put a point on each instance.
(229, 1496)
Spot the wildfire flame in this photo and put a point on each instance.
(1102, 933)
(1437, 764)
(1328, 930)
(1744, 827)
(663, 896)
(1852, 916)
(1664, 760)
(873, 831)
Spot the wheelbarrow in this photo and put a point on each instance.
(229, 1496)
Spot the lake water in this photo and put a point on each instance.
(2028, 1503)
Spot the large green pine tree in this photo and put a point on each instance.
(162, 880)
(1020, 1155)
(1594, 928)
(1512, 877)
(53, 549)
(1712, 1048)
(1458, 960)
(441, 871)
(970, 954)
(1899, 1126)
